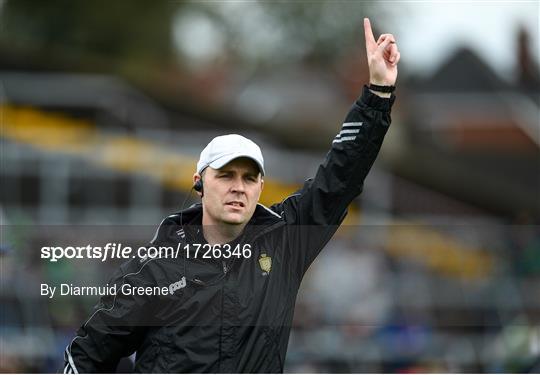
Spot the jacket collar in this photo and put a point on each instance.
(263, 216)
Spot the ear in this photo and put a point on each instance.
(262, 187)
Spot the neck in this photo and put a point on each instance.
(217, 234)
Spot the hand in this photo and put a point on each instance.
(382, 55)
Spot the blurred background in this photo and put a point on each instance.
(105, 106)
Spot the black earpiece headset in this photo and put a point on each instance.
(199, 186)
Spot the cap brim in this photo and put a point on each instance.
(222, 161)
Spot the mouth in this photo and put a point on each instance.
(235, 204)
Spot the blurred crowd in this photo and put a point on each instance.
(103, 114)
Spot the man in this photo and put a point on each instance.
(233, 286)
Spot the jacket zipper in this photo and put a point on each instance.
(225, 269)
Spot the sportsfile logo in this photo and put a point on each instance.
(177, 285)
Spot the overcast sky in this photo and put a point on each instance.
(430, 31)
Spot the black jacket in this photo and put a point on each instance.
(231, 315)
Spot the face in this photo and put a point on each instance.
(231, 193)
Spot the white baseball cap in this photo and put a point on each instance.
(221, 150)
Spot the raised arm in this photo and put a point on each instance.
(320, 206)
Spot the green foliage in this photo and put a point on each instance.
(116, 29)
(285, 31)
(143, 30)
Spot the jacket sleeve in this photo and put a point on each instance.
(318, 208)
(116, 327)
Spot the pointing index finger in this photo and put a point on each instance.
(370, 39)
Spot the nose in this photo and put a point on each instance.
(238, 186)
